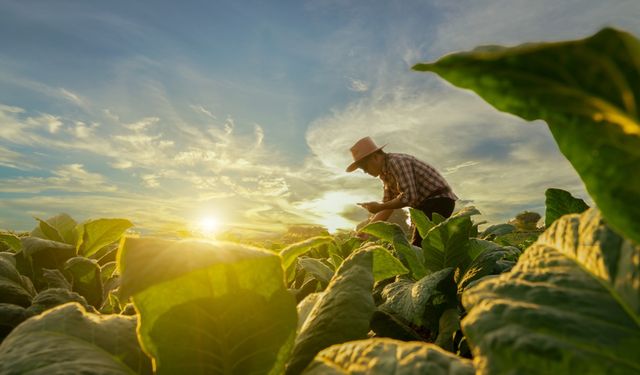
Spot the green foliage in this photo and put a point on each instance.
(290, 253)
(317, 268)
(449, 324)
(447, 243)
(85, 277)
(571, 305)
(208, 307)
(387, 356)
(57, 228)
(14, 289)
(406, 252)
(12, 241)
(590, 98)
(494, 260)
(340, 314)
(385, 265)
(421, 221)
(93, 235)
(493, 231)
(560, 202)
(414, 302)
(52, 297)
(70, 340)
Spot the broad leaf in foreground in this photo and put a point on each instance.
(208, 307)
(69, 340)
(341, 313)
(387, 357)
(588, 92)
(570, 305)
(559, 202)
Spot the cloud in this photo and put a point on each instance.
(201, 109)
(121, 164)
(67, 178)
(72, 97)
(12, 159)
(357, 85)
(467, 23)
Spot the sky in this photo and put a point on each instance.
(167, 113)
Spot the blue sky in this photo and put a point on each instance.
(165, 112)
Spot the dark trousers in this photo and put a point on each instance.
(443, 206)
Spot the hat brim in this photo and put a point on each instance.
(353, 166)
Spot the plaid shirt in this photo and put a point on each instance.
(414, 179)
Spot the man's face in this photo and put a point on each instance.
(370, 165)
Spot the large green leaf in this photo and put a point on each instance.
(416, 302)
(13, 287)
(447, 243)
(492, 261)
(394, 234)
(342, 313)
(315, 267)
(385, 265)
(291, 252)
(387, 357)
(93, 235)
(560, 202)
(588, 92)
(208, 307)
(421, 221)
(570, 305)
(71, 341)
(64, 225)
(49, 231)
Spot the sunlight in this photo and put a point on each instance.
(209, 225)
(328, 210)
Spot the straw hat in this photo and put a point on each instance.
(361, 150)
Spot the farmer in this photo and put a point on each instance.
(408, 182)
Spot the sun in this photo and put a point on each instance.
(209, 225)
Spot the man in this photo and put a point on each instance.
(408, 182)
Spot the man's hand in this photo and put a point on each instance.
(373, 207)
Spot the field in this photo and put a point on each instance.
(88, 298)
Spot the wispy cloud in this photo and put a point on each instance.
(357, 85)
(68, 178)
(12, 159)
